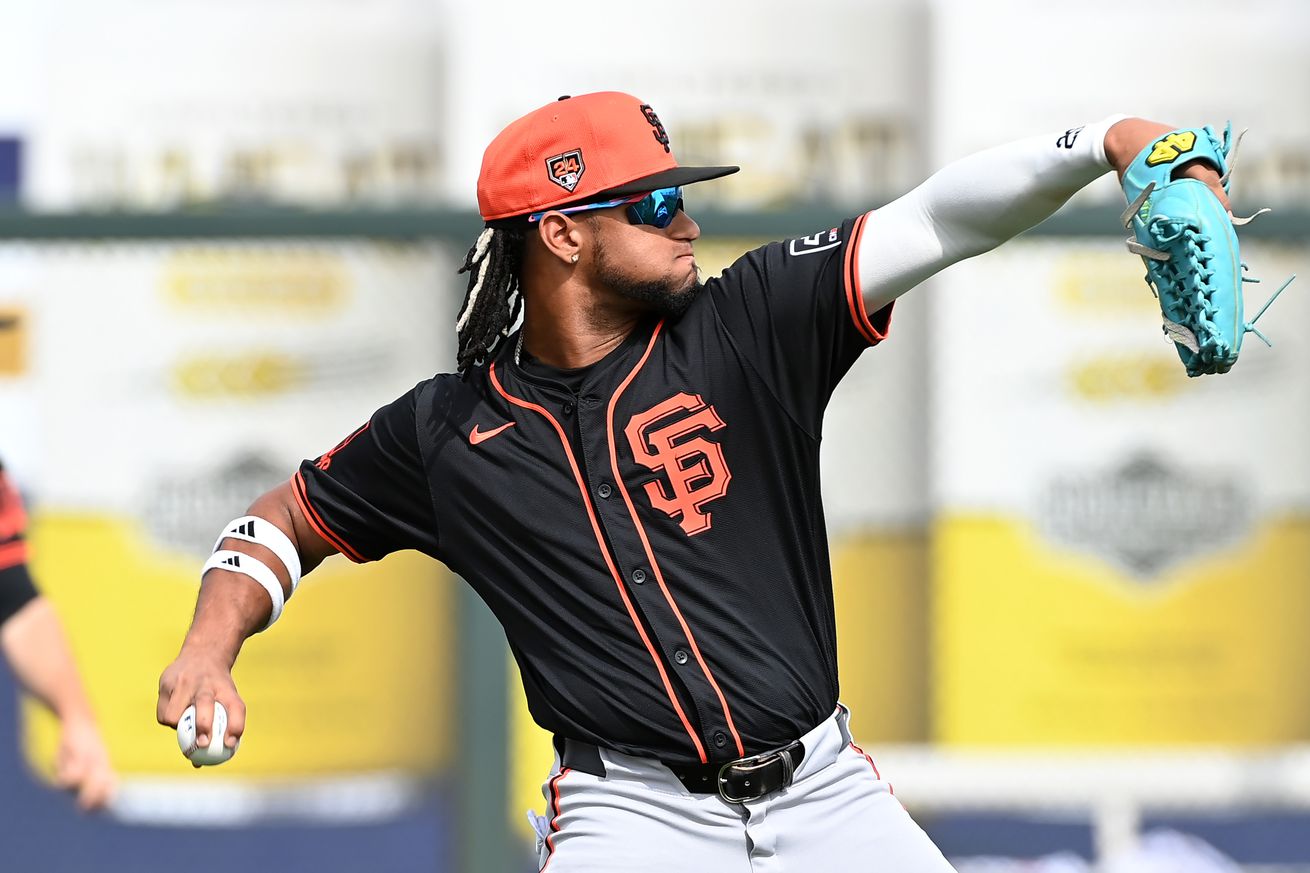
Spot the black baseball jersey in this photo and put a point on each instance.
(16, 588)
(648, 531)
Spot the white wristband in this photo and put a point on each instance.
(263, 532)
(239, 562)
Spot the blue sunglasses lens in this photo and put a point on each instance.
(658, 208)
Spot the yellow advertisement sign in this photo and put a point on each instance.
(1040, 646)
(880, 595)
(271, 278)
(13, 341)
(1122, 553)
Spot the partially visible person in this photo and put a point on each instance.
(34, 644)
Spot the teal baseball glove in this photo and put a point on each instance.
(1187, 240)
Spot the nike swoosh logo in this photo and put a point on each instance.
(480, 436)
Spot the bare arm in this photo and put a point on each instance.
(36, 648)
(33, 642)
(230, 609)
(978, 202)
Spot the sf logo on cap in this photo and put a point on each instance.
(661, 135)
(566, 170)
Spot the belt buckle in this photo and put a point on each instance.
(753, 764)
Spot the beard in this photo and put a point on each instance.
(669, 297)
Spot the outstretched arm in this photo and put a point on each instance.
(978, 202)
(35, 646)
(231, 608)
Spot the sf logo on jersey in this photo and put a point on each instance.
(566, 170)
(669, 438)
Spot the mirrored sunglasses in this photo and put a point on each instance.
(657, 209)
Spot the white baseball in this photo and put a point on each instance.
(216, 752)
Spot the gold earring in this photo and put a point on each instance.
(575, 257)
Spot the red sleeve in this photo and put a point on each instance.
(13, 525)
(16, 588)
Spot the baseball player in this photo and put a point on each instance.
(630, 480)
(34, 645)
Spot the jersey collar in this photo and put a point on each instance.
(545, 376)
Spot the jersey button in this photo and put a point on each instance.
(680, 656)
(568, 408)
(604, 491)
(720, 739)
(639, 576)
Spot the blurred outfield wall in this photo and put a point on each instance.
(1120, 554)
(149, 392)
(1019, 482)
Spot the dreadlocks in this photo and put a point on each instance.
(492, 302)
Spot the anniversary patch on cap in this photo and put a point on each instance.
(566, 170)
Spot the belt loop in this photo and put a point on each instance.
(843, 716)
(584, 757)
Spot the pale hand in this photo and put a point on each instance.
(82, 764)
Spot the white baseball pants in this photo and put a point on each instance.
(838, 814)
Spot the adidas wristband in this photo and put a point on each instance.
(239, 562)
(262, 532)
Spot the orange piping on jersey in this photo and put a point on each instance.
(890, 790)
(317, 523)
(867, 758)
(854, 297)
(554, 816)
(609, 560)
(13, 554)
(650, 553)
(851, 277)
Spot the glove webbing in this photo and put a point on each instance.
(1189, 268)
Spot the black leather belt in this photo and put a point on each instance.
(735, 781)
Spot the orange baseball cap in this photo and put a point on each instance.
(580, 149)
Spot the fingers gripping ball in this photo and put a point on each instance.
(216, 752)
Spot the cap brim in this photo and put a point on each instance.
(668, 179)
(664, 179)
